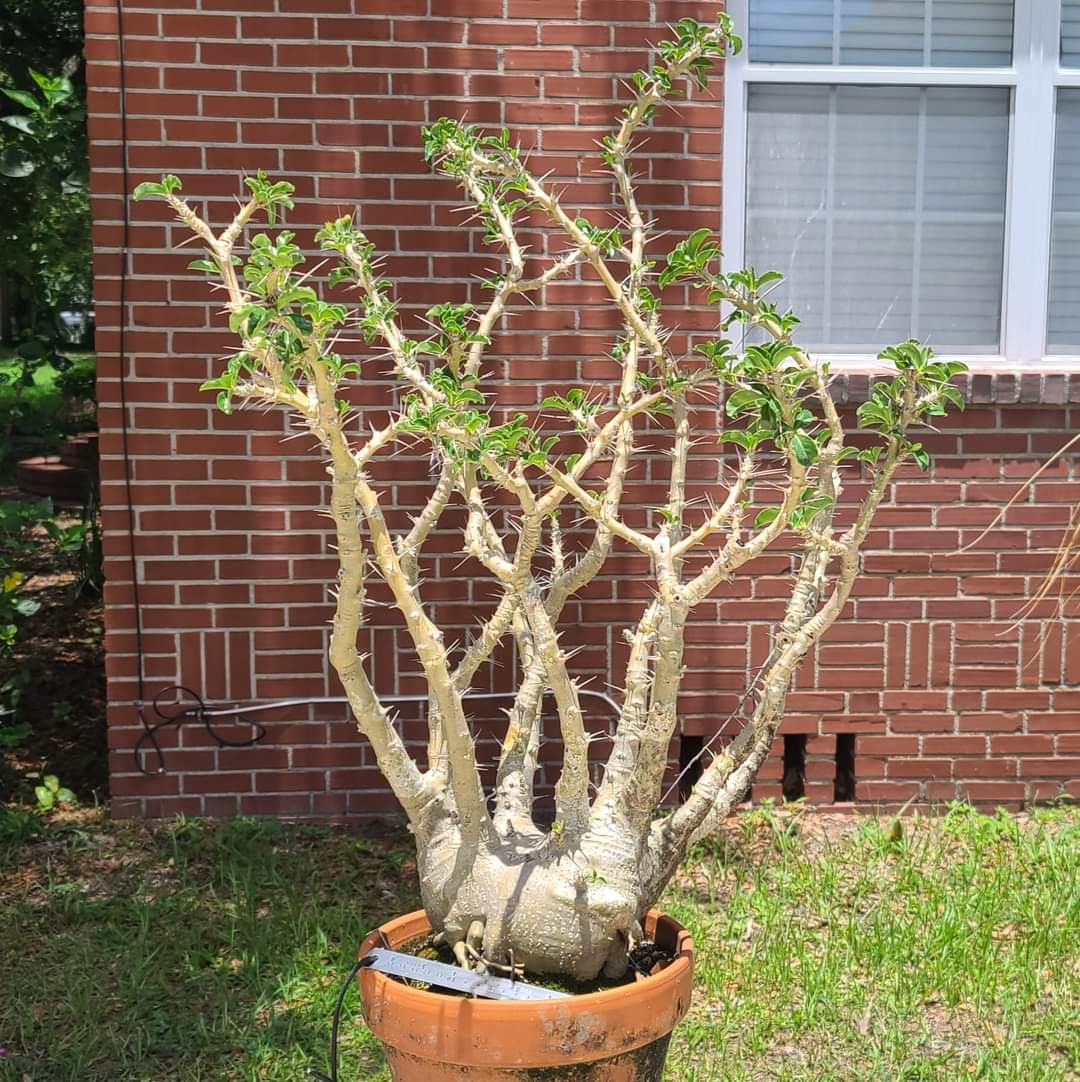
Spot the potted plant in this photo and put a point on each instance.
(575, 896)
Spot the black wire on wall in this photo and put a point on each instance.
(121, 346)
(162, 716)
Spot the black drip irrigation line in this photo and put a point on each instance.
(121, 345)
(209, 716)
(199, 710)
(335, 1027)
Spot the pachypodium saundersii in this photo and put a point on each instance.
(566, 897)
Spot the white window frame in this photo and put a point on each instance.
(1034, 79)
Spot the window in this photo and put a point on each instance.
(913, 168)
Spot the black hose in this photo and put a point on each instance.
(333, 1075)
(198, 712)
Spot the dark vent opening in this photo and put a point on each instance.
(689, 763)
(794, 783)
(844, 786)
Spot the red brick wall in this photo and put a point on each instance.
(945, 696)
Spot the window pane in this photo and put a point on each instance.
(885, 209)
(890, 33)
(1070, 34)
(1063, 316)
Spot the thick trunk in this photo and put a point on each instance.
(543, 904)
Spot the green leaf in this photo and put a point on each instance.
(742, 400)
(74, 182)
(57, 90)
(805, 448)
(22, 123)
(766, 515)
(921, 455)
(27, 101)
(746, 440)
(166, 186)
(13, 164)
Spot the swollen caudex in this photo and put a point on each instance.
(548, 906)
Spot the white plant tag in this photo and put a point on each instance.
(409, 966)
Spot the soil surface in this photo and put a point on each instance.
(425, 947)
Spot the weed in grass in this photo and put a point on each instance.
(18, 826)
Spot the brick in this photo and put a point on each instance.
(502, 33)
(1050, 768)
(236, 54)
(277, 27)
(577, 86)
(887, 791)
(442, 30)
(199, 27)
(920, 768)
(538, 59)
(313, 56)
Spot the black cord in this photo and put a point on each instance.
(121, 348)
(198, 711)
(333, 1075)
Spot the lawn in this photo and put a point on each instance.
(828, 948)
(39, 415)
(44, 386)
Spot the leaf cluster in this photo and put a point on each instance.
(692, 54)
(45, 235)
(921, 389)
(576, 405)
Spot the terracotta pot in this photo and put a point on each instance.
(618, 1035)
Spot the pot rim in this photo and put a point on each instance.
(526, 1033)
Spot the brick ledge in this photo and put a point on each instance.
(1042, 387)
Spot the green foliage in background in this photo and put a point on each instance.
(45, 232)
(17, 519)
(44, 34)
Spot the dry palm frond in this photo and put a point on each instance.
(1067, 556)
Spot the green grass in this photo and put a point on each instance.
(42, 404)
(195, 951)
(198, 951)
(44, 376)
(950, 953)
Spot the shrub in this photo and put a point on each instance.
(502, 888)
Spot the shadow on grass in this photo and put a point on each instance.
(197, 951)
